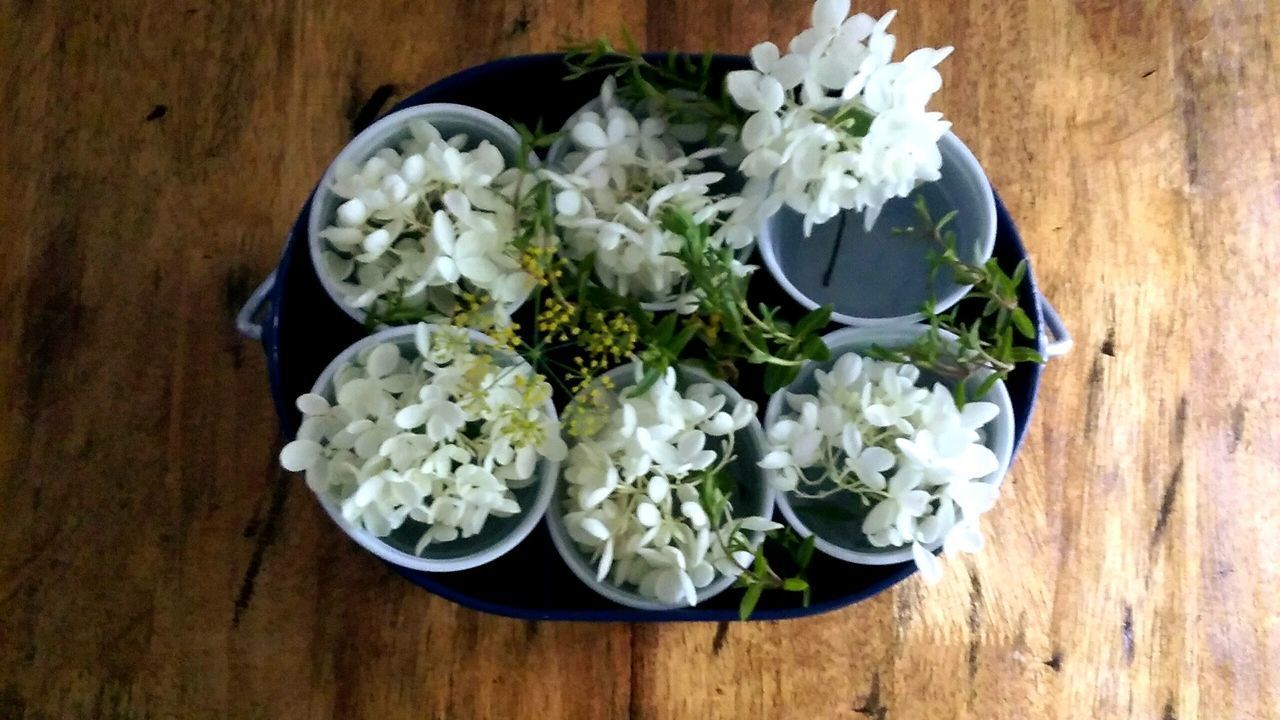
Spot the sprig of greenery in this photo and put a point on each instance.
(682, 87)
(732, 329)
(987, 342)
(715, 489)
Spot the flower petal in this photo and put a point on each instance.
(299, 455)
(928, 564)
(880, 517)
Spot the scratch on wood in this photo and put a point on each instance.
(520, 25)
(1180, 422)
(903, 609)
(1168, 713)
(1149, 73)
(871, 706)
(1166, 505)
(722, 636)
(267, 536)
(1054, 662)
(530, 630)
(368, 112)
(1020, 640)
(1126, 633)
(236, 288)
(1109, 344)
(633, 697)
(128, 628)
(1093, 400)
(1190, 115)
(1237, 425)
(975, 620)
(251, 528)
(157, 112)
(51, 326)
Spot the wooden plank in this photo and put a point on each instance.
(154, 563)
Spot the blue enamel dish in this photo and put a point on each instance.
(301, 330)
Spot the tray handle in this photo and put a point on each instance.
(248, 320)
(1060, 341)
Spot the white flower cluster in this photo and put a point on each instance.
(614, 187)
(441, 438)
(834, 122)
(870, 418)
(424, 220)
(635, 495)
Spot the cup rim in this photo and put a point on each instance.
(548, 471)
(949, 145)
(841, 341)
(365, 144)
(577, 562)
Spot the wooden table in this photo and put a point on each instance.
(155, 563)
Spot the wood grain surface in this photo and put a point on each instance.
(154, 563)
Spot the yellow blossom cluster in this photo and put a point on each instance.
(542, 263)
(478, 312)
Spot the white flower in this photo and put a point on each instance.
(425, 221)
(892, 521)
(867, 463)
(616, 185)
(915, 460)
(635, 497)
(808, 128)
(439, 438)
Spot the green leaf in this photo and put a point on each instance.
(749, 600)
(761, 566)
(795, 584)
(1025, 354)
(650, 377)
(960, 394)
(690, 329)
(777, 377)
(629, 41)
(805, 553)
(987, 384)
(814, 320)
(1023, 323)
(1019, 273)
(815, 349)
(666, 328)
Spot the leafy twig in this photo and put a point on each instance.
(757, 576)
(758, 336)
(984, 343)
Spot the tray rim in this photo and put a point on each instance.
(1006, 232)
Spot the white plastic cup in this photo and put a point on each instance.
(448, 118)
(499, 534)
(749, 444)
(852, 546)
(881, 278)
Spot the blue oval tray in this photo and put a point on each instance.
(301, 330)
